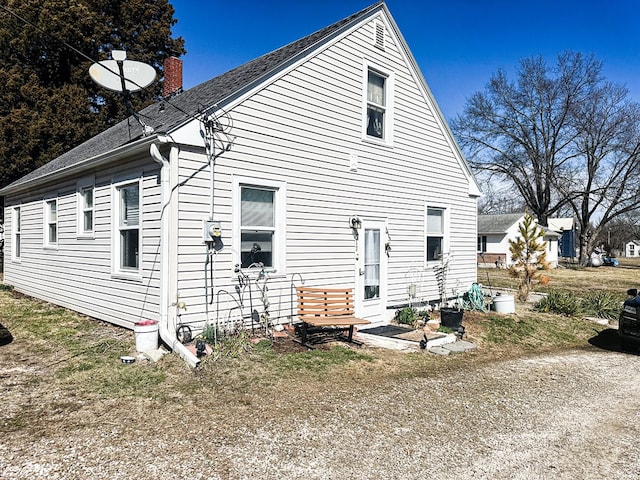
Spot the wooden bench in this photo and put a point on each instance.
(326, 307)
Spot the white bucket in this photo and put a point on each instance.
(504, 304)
(146, 333)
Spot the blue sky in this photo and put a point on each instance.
(458, 44)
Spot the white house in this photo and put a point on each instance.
(494, 234)
(632, 248)
(326, 161)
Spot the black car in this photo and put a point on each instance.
(629, 321)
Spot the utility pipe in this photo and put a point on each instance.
(167, 336)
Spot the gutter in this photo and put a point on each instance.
(167, 336)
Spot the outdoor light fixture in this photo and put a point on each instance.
(355, 222)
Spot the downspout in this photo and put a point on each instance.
(167, 336)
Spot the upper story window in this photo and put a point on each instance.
(376, 104)
(17, 234)
(260, 223)
(127, 242)
(51, 222)
(435, 233)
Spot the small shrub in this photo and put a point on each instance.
(562, 303)
(407, 316)
(602, 304)
(5, 287)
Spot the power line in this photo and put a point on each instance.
(87, 57)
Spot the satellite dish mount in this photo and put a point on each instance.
(124, 76)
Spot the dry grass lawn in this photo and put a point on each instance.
(575, 279)
(63, 384)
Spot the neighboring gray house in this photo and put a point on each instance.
(494, 233)
(328, 161)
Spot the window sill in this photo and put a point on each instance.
(130, 276)
(85, 236)
(377, 141)
(50, 247)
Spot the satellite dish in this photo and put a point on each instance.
(136, 75)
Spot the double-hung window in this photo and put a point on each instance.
(435, 233)
(51, 222)
(17, 233)
(259, 218)
(257, 229)
(128, 227)
(482, 243)
(85, 210)
(376, 104)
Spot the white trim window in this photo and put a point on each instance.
(51, 222)
(482, 243)
(260, 223)
(435, 233)
(16, 230)
(127, 239)
(378, 105)
(85, 201)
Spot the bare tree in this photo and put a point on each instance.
(563, 137)
(605, 177)
(498, 198)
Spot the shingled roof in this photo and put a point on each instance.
(185, 106)
(498, 223)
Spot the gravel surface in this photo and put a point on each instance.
(571, 415)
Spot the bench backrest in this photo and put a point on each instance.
(325, 302)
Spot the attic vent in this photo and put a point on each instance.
(379, 35)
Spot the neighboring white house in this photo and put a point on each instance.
(632, 249)
(494, 233)
(327, 160)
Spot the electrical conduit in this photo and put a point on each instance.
(167, 336)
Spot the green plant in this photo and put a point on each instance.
(602, 304)
(233, 344)
(529, 253)
(407, 316)
(560, 302)
(442, 329)
(5, 287)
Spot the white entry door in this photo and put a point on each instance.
(371, 271)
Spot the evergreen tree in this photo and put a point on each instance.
(48, 102)
(529, 254)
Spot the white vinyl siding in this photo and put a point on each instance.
(296, 132)
(303, 130)
(79, 273)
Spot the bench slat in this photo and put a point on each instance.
(334, 321)
(327, 306)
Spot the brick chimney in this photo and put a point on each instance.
(172, 76)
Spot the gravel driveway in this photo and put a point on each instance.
(574, 415)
